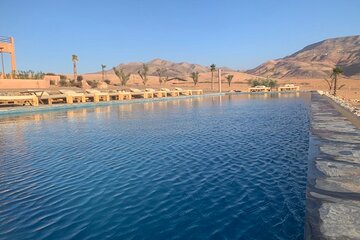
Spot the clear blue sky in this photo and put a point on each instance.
(234, 33)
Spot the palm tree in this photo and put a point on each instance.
(329, 83)
(103, 71)
(74, 60)
(229, 78)
(195, 77)
(212, 69)
(336, 72)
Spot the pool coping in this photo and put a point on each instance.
(333, 193)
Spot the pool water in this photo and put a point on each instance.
(229, 167)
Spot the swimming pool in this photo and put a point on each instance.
(221, 167)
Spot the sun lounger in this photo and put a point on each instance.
(172, 93)
(158, 94)
(120, 95)
(138, 93)
(184, 92)
(20, 100)
(73, 96)
(197, 92)
(65, 96)
(96, 95)
(190, 92)
(46, 98)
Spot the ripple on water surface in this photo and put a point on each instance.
(209, 168)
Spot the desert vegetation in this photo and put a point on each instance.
(212, 69)
(92, 83)
(161, 74)
(103, 71)
(79, 78)
(29, 74)
(143, 73)
(124, 78)
(229, 79)
(333, 81)
(267, 82)
(195, 77)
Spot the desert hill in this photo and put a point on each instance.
(168, 68)
(316, 60)
(177, 72)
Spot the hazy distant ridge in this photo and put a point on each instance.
(172, 69)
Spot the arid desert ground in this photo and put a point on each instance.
(350, 92)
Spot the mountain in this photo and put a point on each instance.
(171, 69)
(316, 60)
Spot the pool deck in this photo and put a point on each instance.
(333, 191)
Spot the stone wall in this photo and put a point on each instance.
(23, 84)
(333, 192)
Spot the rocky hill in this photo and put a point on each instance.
(169, 68)
(316, 60)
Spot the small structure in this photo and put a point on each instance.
(289, 87)
(259, 89)
(7, 46)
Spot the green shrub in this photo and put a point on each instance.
(29, 74)
(63, 83)
(268, 82)
(92, 83)
(80, 78)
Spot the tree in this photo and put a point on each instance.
(160, 72)
(329, 83)
(254, 82)
(212, 69)
(124, 78)
(336, 72)
(103, 71)
(268, 82)
(143, 73)
(195, 77)
(271, 83)
(229, 78)
(74, 60)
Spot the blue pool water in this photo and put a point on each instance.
(230, 167)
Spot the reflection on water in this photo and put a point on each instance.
(80, 114)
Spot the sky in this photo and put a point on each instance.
(233, 33)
